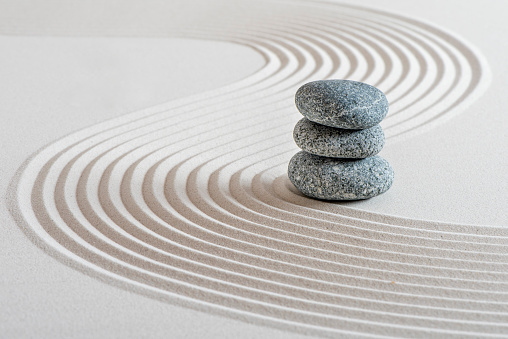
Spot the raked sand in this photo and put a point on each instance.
(188, 202)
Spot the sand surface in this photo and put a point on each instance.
(157, 139)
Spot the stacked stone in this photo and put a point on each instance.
(340, 137)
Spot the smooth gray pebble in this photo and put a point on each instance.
(337, 142)
(342, 103)
(340, 179)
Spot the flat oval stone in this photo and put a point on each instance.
(342, 103)
(340, 179)
(337, 142)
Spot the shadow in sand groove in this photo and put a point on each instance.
(188, 202)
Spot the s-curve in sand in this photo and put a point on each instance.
(188, 202)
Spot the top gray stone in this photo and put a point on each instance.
(342, 103)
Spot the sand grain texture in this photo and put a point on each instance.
(189, 202)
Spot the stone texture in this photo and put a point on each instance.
(342, 103)
(336, 142)
(340, 179)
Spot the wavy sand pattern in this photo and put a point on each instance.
(189, 201)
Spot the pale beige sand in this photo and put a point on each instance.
(188, 202)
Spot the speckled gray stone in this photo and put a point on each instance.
(337, 142)
(340, 179)
(342, 103)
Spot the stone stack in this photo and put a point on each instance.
(340, 137)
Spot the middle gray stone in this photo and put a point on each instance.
(338, 143)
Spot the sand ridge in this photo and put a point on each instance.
(189, 202)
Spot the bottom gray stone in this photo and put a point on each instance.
(340, 179)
